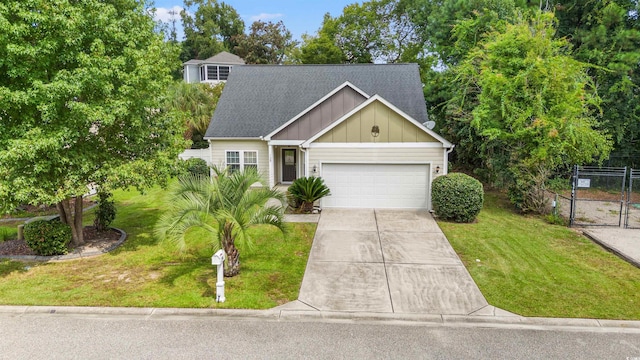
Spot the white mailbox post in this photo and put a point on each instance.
(218, 260)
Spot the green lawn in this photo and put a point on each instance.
(524, 265)
(146, 273)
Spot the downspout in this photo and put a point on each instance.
(446, 160)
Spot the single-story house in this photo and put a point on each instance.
(359, 127)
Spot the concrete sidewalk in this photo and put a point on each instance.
(387, 261)
(623, 242)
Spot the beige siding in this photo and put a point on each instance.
(323, 115)
(381, 155)
(393, 128)
(219, 148)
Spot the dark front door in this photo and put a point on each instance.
(288, 165)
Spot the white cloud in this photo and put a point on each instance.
(164, 14)
(265, 17)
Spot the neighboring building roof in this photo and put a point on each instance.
(257, 99)
(224, 58)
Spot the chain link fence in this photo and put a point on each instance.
(632, 216)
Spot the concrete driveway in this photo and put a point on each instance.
(373, 260)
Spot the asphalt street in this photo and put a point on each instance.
(99, 336)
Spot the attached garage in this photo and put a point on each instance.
(377, 185)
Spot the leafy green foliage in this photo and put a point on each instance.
(47, 238)
(373, 31)
(226, 205)
(193, 105)
(534, 107)
(197, 167)
(209, 29)
(457, 197)
(308, 190)
(607, 34)
(266, 43)
(79, 100)
(106, 212)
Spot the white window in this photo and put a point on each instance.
(241, 160)
(214, 72)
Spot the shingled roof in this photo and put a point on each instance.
(257, 99)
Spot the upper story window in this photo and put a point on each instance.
(214, 72)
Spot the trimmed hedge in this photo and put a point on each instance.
(457, 197)
(47, 238)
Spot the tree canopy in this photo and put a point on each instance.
(266, 43)
(79, 101)
(211, 29)
(534, 106)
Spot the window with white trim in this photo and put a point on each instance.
(241, 160)
(214, 72)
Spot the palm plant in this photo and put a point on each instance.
(225, 205)
(308, 190)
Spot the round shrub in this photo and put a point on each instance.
(197, 166)
(47, 238)
(457, 197)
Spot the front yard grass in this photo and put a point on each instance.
(529, 267)
(146, 273)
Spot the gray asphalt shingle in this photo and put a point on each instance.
(257, 99)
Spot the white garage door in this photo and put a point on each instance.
(376, 185)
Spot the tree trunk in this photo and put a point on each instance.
(72, 218)
(233, 256)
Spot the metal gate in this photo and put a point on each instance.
(598, 196)
(632, 217)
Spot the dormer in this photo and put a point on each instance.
(213, 70)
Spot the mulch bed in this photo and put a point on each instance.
(93, 239)
(44, 210)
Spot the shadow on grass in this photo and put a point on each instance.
(8, 266)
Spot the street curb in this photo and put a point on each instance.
(533, 323)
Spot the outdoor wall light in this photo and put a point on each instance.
(375, 131)
(437, 169)
(315, 169)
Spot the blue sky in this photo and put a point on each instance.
(299, 16)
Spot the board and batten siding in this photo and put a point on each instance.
(220, 147)
(380, 155)
(322, 115)
(392, 126)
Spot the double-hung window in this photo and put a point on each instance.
(242, 160)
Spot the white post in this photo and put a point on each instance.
(218, 260)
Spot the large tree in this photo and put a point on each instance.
(79, 101)
(606, 33)
(374, 31)
(533, 106)
(210, 29)
(266, 43)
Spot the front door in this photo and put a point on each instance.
(288, 165)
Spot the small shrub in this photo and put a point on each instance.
(197, 167)
(106, 212)
(555, 219)
(307, 190)
(47, 237)
(457, 197)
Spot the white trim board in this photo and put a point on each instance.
(407, 145)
